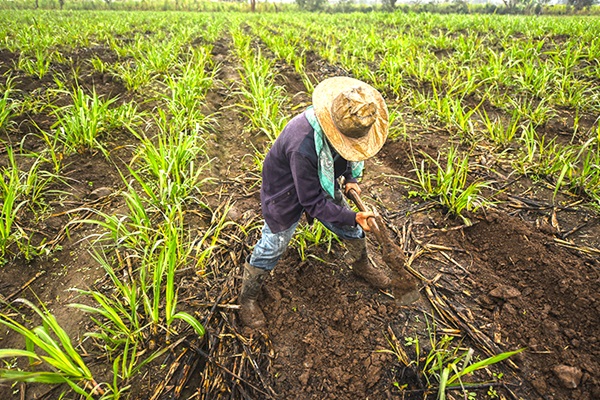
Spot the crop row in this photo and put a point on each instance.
(167, 67)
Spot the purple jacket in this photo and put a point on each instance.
(290, 181)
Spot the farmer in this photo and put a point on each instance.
(347, 124)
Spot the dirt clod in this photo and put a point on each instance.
(505, 292)
(568, 376)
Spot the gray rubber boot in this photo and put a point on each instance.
(357, 249)
(250, 312)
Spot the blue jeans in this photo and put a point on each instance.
(271, 246)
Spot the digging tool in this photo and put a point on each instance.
(404, 285)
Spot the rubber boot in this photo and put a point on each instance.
(357, 249)
(250, 312)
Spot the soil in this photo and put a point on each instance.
(525, 274)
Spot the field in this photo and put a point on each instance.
(131, 148)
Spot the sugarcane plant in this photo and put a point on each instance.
(448, 184)
(81, 124)
(10, 187)
(313, 235)
(441, 363)
(174, 160)
(49, 347)
(144, 302)
(21, 190)
(187, 90)
(8, 105)
(447, 365)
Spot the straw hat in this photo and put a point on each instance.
(353, 115)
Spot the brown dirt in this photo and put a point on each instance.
(506, 281)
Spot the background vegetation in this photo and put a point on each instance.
(536, 7)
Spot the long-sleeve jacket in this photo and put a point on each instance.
(290, 180)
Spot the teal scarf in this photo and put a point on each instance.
(325, 163)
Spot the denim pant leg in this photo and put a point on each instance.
(344, 232)
(271, 247)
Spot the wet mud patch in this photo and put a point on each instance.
(399, 154)
(328, 329)
(538, 295)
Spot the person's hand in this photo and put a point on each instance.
(352, 185)
(362, 217)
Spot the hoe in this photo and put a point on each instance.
(404, 285)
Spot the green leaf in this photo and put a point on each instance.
(36, 377)
(6, 353)
(485, 363)
(192, 321)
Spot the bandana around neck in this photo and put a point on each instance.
(325, 162)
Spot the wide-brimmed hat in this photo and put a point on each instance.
(353, 115)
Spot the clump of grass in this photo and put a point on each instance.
(143, 304)
(7, 103)
(133, 76)
(146, 298)
(265, 99)
(38, 64)
(448, 183)
(500, 133)
(397, 125)
(316, 234)
(18, 190)
(116, 313)
(48, 345)
(81, 123)
(187, 89)
(580, 171)
(170, 166)
(574, 167)
(446, 364)
(10, 188)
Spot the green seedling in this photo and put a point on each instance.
(10, 187)
(448, 183)
(500, 133)
(8, 104)
(169, 172)
(50, 345)
(81, 124)
(446, 364)
(265, 100)
(313, 235)
(19, 190)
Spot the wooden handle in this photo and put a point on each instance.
(354, 196)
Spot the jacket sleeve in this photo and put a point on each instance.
(348, 175)
(311, 194)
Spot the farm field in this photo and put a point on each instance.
(131, 149)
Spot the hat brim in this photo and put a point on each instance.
(350, 148)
